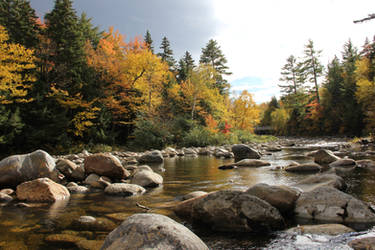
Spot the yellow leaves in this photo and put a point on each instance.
(362, 68)
(280, 118)
(15, 62)
(244, 112)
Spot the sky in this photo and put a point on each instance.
(255, 36)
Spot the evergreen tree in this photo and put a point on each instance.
(89, 32)
(291, 75)
(20, 20)
(167, 53)
(148, 41)
(185, 66)
(352, 115)
(69, 57)
(312, 68)
(213, 56)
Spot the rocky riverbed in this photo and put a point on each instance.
(261, 190)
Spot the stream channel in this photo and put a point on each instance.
(27, 227)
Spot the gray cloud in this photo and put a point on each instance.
(188, 24)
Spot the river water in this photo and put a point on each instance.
(27, 228)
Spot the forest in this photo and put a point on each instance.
(66, 84)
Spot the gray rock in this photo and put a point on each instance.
(152, 231)
(105, 165)
(235, 211)
(366, 164)
(151, 157)
(147, 178)
(242, 151)
(193, 195)
(281, 197)
(124, 189)
(331, 205)
(330, 229)
(323, 156)
(320, 180)
(304, 168)
(93, 181)
(190, 151)
(42, 190)
(16, 169)
(343, 163)
(78, 189)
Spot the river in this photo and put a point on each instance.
(27, 227)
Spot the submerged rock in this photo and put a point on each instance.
(246, 163)
(89, 223)
(304, 168)
(42, 190)
(193, 195)
(320, 180)
(330, 229)
(152, 231)
(331, 205)
(242, 151)
(16, 169)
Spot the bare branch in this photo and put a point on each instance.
(370, 16)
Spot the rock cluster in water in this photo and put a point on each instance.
(39, 177)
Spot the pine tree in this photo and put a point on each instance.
(291, 75)
(312, 68)
(20, 20)
(69, 57)
(185, 66)
(148, 41)
(213, 56)
(89, 32)
(167, 53)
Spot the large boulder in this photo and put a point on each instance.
(281, 197)
(323, 156)
(124, 189)
(236, 211)
(242, 151)
(105, 164)
(151, 157)
(320, 180)
(147, 178)
(42, 190)
(152, 231)
(16, 169)
(328, 204)
(71, 170)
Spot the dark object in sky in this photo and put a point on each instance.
(370, 16)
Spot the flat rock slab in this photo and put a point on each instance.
(330, 229)
(304, 168)
(320, 180)
(152, 231)
(246, 163)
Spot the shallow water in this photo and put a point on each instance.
(26, 228)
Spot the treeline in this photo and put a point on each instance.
(343, 104)
(65, 83)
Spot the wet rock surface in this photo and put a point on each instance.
(242, 151)
(152, 231)
(330, 229)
